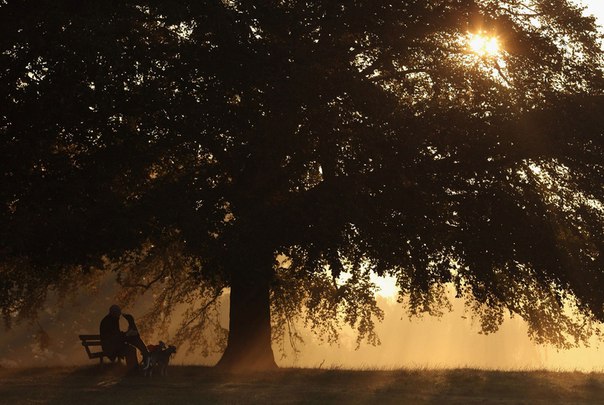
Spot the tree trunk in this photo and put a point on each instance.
(249, 342)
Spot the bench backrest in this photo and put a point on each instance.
(90, 337)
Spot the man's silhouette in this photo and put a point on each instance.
(116, 343)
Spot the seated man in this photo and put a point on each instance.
(116, 343)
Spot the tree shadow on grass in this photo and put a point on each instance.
(115, 384)
(199, 385)
(522, 387)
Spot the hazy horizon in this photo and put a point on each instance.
(449, 342)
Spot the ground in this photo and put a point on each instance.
(187, 384)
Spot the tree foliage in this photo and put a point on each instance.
(361, 136)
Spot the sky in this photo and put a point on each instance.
(596, 7)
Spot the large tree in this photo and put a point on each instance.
(269, 146)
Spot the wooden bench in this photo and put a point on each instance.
(89, 341)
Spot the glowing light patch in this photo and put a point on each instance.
(484, 45)
(386, 285)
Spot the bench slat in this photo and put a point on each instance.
(90, 337)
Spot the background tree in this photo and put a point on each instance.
(269, 146)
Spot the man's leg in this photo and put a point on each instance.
(131, 357)
(129, 353)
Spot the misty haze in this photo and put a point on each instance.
(302, 201)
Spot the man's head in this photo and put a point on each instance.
(115, 311)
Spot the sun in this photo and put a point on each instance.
(387, 287)
(484, 45)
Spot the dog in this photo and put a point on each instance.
(159, 359)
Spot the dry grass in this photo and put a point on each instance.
(188, 384)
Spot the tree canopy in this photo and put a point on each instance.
(273, 145)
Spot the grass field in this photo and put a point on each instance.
(188, 384)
